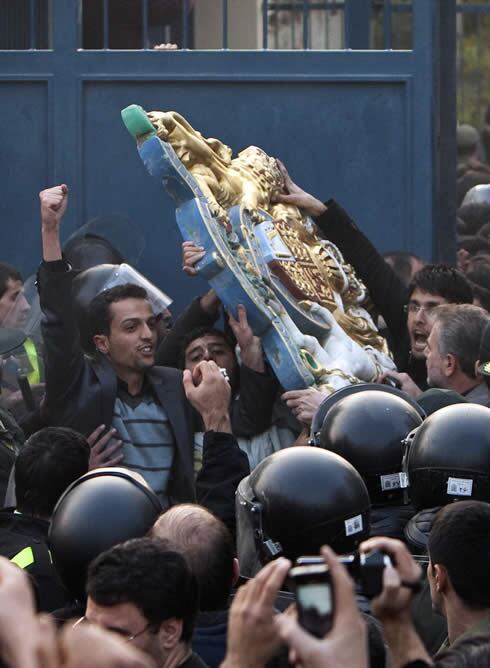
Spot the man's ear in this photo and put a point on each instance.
(451, 365)
(441, 578)
(101, 343)
(477, 373)
(170, 632)
(236, 571)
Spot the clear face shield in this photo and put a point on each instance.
(407, 444)
(254, 548)
(22, 368)
(479, 194)
(108, 239)
(124, 273)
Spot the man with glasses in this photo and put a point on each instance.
(406, 311)
(148, 595)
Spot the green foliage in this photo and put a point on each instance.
(473, 65)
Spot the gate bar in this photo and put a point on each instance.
(387, 24)
(306, 23)
(105, 23)
(185, 4)
(145, 18)
(265, 24)
(357, 23)
(32, 25)
(444, 242)
(225, 24)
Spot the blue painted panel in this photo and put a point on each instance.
(339, 138)
(25, 156)
(351, 124)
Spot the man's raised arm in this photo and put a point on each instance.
(53, 206)
(387, 292)
(63, 354)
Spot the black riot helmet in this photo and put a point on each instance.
(449, 456)
(102, 508)
(297, 500)
(368, 429)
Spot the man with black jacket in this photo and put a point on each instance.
(120, 386)
(47, 464)
(406, 311)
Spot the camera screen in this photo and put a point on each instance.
(317, 595)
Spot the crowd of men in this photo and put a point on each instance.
(167, 503)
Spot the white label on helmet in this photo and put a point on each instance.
(404, 483)
(460, 486)
(393, 481)
(353, 525)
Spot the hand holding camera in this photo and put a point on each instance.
(325, 601)
(401, 579)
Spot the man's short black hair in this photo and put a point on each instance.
(159, 582)
(443, 281)
(460, 541)
(197, 333)
(98, 318)
(47, 464)
(208, 546)
(475, 215)
(473, 243)
(481, 294)
(89, 250)
(478, 270)
(7, 271)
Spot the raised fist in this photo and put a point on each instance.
(53, 205)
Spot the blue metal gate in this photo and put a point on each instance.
(358, 125)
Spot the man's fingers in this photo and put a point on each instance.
(345, 603)
(103, 441)
(187, 382)
(191, 257)
(390, 595)
(53, 197)
(269, 580)
(281, 198)
(242, 315)
(233, 323)
(208, 367)
(405, 564)
(191, 245)
(108, 452)
(94, 436)
(391, 579)
(274, 582)
(285, 173)
(114, 461)
(296, 638)
(191, 254)
(294, 394)
(48, 651)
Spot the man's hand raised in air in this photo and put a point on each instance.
(297, 196)
(53, 206)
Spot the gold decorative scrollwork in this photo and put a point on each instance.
(318, 273)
